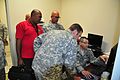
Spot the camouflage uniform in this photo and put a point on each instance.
(3, 32)
(3, 39)
(85, 58)
(2, 61)
(53, 50)
(50, 26)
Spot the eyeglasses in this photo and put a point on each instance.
(40, 16)
(85, 42)
(56, 16)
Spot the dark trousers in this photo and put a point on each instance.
(28, 64)
(28, 61)
(2, 74)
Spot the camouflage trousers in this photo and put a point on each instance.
(53, 73)
(2, 74)
(56, 73)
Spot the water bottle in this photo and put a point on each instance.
(105, 75)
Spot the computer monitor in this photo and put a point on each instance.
(95, 40)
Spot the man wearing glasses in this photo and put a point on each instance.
(85, 58)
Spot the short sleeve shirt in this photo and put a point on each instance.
(27, 33)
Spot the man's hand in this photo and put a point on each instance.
(77, 78)
(87, 74)
(104, 57)
(20, 61)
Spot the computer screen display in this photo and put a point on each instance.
(95, 40)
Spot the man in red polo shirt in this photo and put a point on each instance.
(26, 32)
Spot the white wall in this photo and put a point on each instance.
(17, 10)
(3, 12)
(21, 7)
(95, 16)
(117, 31)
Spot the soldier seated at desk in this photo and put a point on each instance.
(87, 64)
